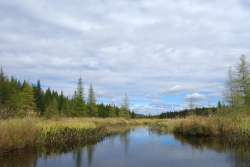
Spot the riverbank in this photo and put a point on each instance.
(61, 133)
(232, 127)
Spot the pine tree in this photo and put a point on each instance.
(243, 80)
(125, 107)
(91, 96)
(80, 90)
(52, 109)
(2, 75)
(230, 92)
(238, 85)
(47, 99)
(92, 101)
(79, 102)
(61, 103)
(219, 106)
(27, 99)
(39, 99)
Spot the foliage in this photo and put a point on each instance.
(187, 112)
(21, 99)
(237, 93)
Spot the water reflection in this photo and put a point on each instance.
(77, 154)
(140, 147)
(27, 158)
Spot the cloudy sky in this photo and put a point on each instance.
(160, 52)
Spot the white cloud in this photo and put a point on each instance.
(147, 49)
(195, 97)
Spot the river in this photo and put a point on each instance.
(139, 147)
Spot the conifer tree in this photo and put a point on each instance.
(39, 97)
(52, 109)
(27, 99)
(230, 92)
(219, 105)
(2, 75)
(243, 80)
(47, 98)
(61, 103)
(91, 96)
(79, 102)
(92, 101)
(238, 85)
(125, 107)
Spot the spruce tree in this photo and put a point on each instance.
(39, 99)
(51, 109)
(79, 102)
(125, 107)
(61, 103)
(92, 101)
(91, 96)
(27, 99)
(2, 75)
(219, 105)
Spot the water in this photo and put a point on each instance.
(140, 147)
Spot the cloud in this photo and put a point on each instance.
(146, 49)
(195, 97)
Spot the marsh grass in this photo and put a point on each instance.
(59, 132)
(234, 129)
(17, 133)
(69, 132)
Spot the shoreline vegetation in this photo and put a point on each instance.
(33, 118)
(232, 128)
(60, 133)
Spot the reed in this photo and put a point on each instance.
(68, 132)
(235, 130)
(17, 133)
(59, 132)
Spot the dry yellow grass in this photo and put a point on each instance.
(234, 129)
(17, 133)
(28, 132)
(20, 133)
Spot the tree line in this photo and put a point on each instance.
(21, 99)
(203, 111)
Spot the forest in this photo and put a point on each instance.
(21, 99)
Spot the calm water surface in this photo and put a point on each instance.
(138, 148)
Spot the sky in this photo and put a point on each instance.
(161, 53)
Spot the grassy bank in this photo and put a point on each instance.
(232, 127)
(59, 133)
(64, 133)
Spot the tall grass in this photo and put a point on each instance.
(17, 133)
(68, 132)
(233, 129)
(59, 133)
